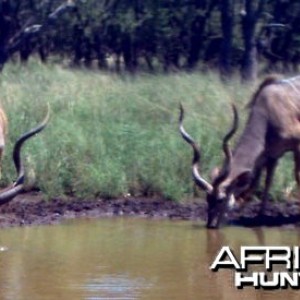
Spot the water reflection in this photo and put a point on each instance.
(127, 259)
(113, 287)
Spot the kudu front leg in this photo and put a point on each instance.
(270, 170)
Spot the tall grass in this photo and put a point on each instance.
(110, 136)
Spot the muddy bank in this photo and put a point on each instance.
(32, 209)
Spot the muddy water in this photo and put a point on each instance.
(126, 259)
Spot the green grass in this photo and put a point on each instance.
(109, 135)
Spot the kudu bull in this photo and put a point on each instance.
(10, 192)
(272, 128)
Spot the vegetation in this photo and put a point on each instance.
(155, 35)
(111, 136)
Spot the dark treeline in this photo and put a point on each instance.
(155, 35)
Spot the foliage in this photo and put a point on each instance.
(156, 35)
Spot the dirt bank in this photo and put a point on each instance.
(32, 209)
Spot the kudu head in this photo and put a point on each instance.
(219, 196)
(12, 191)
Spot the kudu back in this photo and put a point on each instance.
(272, 129)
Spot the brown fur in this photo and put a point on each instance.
(272, 129)
(267, 81)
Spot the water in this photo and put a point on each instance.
(127, 259)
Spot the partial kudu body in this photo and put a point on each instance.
(273, 128)
(10, 192)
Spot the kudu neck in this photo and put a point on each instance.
(251, 143)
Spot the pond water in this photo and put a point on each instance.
(127, 258)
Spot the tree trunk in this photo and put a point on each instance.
(249, 63)
(227, 13)
(128, 53)
(5, 31)
(197, 30)
(250, 17)
(196, 41)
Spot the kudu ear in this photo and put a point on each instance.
(243, 179)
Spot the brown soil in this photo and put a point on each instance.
(32, 209)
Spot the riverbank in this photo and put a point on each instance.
(31, 209)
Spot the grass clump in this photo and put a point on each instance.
(110, 136)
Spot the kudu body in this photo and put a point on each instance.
(10, 192)
(272, 128)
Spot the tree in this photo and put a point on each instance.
(250, 15)
(227, 20)
(16, 36)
